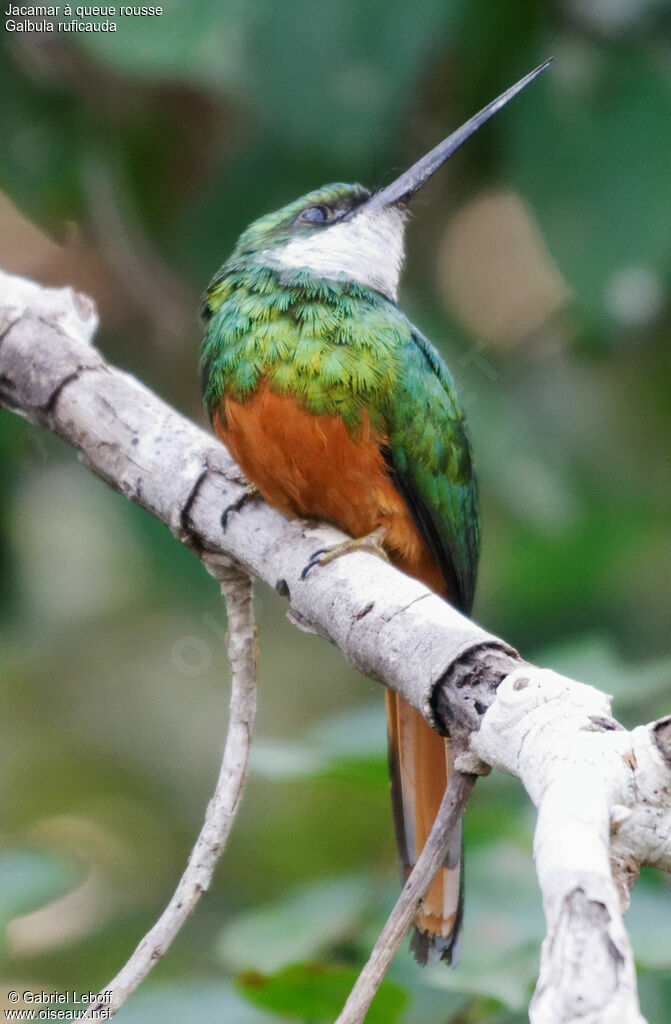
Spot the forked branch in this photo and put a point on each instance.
(603, 794)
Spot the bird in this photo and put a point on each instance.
(337, 408)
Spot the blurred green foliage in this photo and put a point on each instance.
(319, 993)
(140, 156)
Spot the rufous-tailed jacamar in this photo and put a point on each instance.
(337, 408)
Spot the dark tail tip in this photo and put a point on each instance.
(432, 949)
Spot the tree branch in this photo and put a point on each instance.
(389, 626)
(414, 891)
(222, 808)
(602, 793)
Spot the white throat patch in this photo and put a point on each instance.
(367, 248)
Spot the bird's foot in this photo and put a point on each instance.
(249, 492)
(372, 542)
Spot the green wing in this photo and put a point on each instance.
(429, 459)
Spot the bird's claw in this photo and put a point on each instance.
(249, 492)
(314, 560)
(371, 543)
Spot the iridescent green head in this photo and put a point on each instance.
(302, 217)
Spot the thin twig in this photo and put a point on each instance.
(222, 808)
(414, 891)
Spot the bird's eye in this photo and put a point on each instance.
(315, 215)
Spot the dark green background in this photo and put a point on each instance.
(132, 161)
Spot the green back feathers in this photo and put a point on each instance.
(429, 458)
(332, 345)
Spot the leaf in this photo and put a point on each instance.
(428, 1004)
(208, 1002)
(349, 746)
(38, 164)
(654, 988)
(200, 42)
(509, 980)
(595, 660)
(503, 902)
(280, 760)
(302, 925)
(316, 994)
(31, 878)
(318, 77)
(354, 733)
(647, 921)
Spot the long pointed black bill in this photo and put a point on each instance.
(413, 179)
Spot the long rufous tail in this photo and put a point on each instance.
(418, 771)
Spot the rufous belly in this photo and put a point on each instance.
(311, 465)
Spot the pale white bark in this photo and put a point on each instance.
(600, 794)
(603, 794)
